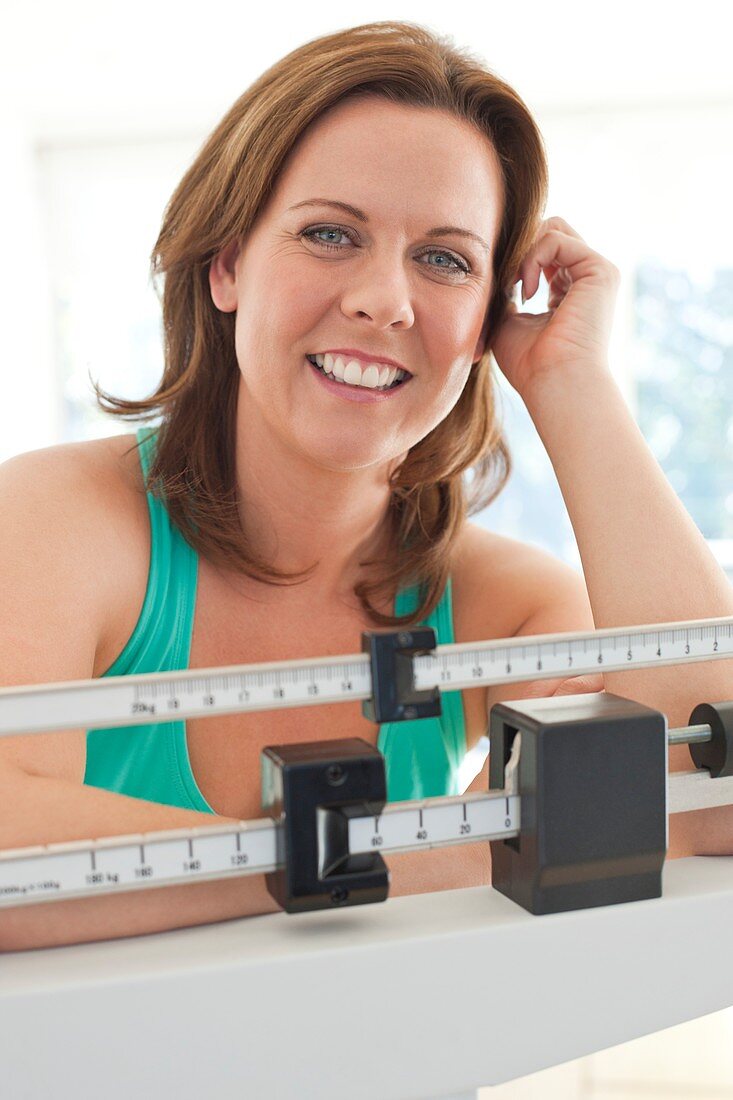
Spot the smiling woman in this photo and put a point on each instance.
(363, 210)
(337, 267)
(380, 285)
(376, 188)
(332, 286)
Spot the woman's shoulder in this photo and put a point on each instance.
(89, 465)
(86, 501)
(93, 486)
(497, 582)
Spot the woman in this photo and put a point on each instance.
(339, 265)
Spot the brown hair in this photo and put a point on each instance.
(218, 200)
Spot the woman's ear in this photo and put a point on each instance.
(223, 278)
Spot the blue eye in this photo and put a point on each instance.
(311, 235)
(450, 256)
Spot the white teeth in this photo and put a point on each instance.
(349, 371)
(370, 377)
(334, 365)
(353, 374)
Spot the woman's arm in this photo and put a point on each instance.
(644, 560)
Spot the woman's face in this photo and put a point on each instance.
(310, 278)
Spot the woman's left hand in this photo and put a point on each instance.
(574, 333)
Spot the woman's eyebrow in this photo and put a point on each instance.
(438, 231)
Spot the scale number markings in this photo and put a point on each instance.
(144, 870)
(191, 864)
(240, 858)
(99, 878)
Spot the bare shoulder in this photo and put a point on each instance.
(96, 468)
(500, 582)
(84, 504)
(70, 556)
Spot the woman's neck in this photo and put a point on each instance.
(296, 513)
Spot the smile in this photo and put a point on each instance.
(351, 392)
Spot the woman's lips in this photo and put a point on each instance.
(355, 393)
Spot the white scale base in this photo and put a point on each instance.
(433, 995)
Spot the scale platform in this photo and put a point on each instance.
(431, 995)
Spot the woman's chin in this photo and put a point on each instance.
(349, 463)
(345, 456)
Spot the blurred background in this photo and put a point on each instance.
(103, 108)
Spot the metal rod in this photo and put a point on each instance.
(689, 735)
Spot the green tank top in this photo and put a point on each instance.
(422, 757)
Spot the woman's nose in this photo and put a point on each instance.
(382, 292)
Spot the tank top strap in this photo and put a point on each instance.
(161, 640)
(423, 757)
(441, 618)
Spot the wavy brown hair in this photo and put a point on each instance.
(219, 199)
